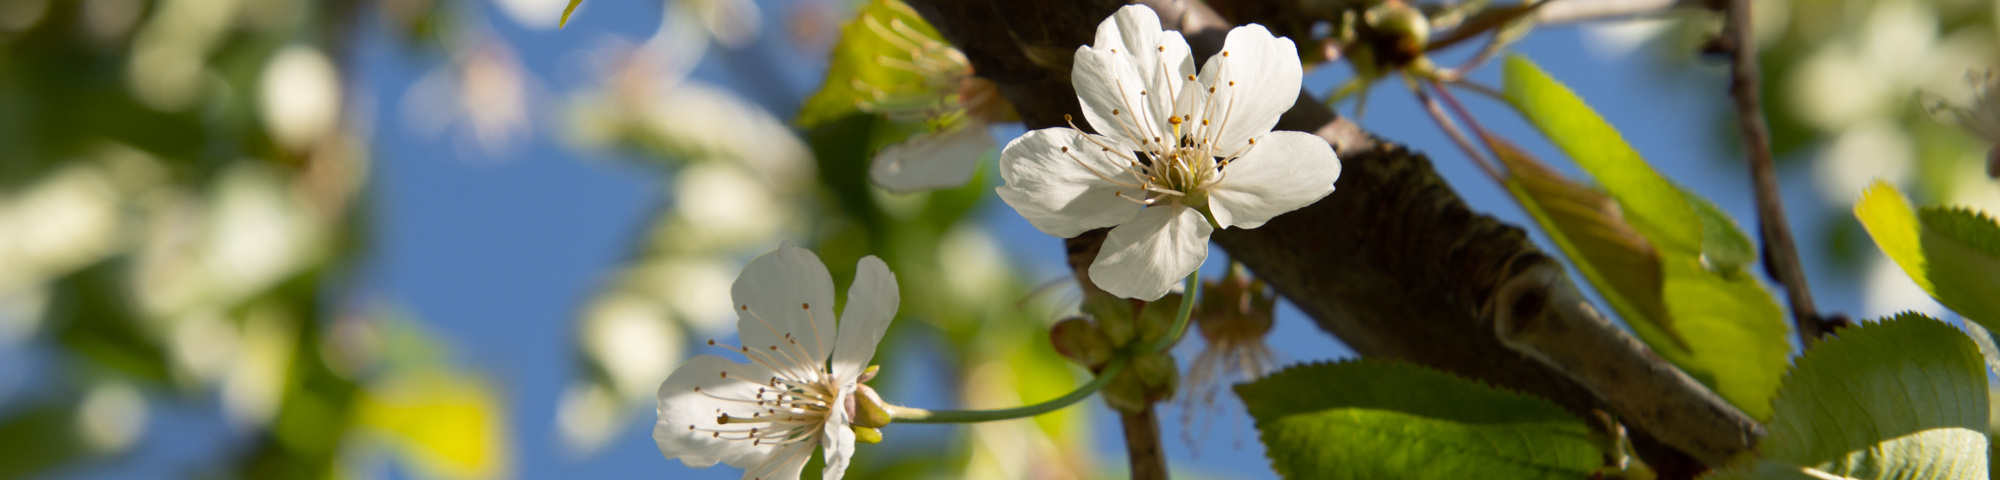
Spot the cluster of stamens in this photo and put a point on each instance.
(791, 405)
(1181, 167)
(940, 67)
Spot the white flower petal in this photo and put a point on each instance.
(1145, 257)
(871, 304)
(932, 161)
(681, 405)
(787, 291)
(838, 439)
(1135, 69)
(1285, 171)
(785, 464)
(1255, 79)
(1050, 180)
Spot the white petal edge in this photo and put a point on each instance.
(786, 291)
(680, 406)
(1145, 257)
(1285, 171)
(1056, 190)
(785, 464)
(837, 438)
(932, 161)
(1266, 75)
(1136, 69)
(871, 304)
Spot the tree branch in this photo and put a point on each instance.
(1781, 255)
(1142, 444)
(1393, 263)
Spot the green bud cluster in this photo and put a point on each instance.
(1114, 327)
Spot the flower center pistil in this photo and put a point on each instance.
(790, 405)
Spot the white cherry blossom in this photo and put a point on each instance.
(1176, 153)
(767, 416)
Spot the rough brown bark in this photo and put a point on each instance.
(1393, 262)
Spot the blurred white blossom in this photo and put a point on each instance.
(634, 341)
(483, 90)
(534, 14)
(299, 97)
(1862, 154)
(111, 417)
(721, 206)
(648, 102)
(168, 69)
(255, 384)
(588, 415)
(734, 23)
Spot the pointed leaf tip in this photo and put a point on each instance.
(566, 11)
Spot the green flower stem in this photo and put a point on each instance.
(1189, 295)
(918, 415)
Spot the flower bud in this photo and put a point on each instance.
(1402, 24)
(1082, 342)
(1114, 317)
(866, 435)
(1158, 375)
(1125, 393)
(869, 409)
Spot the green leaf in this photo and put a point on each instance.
(1964, 252)
(1724, 246)
(1587, 225)
(869, 64)
(566, 11)
(1987, 347)
(1739, 331)
(1369, 419)
(1904, 398)
(1652, 203)
(1952, 253)
(1739, 346)
(1893, 224)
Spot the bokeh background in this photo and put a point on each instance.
(444, 239)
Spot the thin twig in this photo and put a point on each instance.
(1457, 136)
(1781, 253)
(1142, 443)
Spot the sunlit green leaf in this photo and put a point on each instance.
(1724, 246)
(1369, 419)
(1952, 253)
(446, 424)
(1736, 329)
(1890, 220)
(1904, 398)
(1589, 228)
(1651, 203)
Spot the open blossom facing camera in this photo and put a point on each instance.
(767, 416)
(1174, 151)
